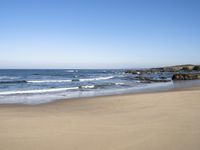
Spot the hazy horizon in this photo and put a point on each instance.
(155, 66)
(98, 34)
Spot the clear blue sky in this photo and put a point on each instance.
(98, 33)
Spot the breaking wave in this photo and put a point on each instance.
(38, 91)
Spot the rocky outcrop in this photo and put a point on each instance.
(133, 71)
(174, 69)
(196, 68)
(149, 80)
(185, 76)
(181, 72)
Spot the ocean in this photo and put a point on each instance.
(42, 86)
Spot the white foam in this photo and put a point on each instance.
(48, 81)
(88, 86)
(120, 83)
(70, 71)
(8, 77)
(59, 81)
(96, 79)
(37, 91)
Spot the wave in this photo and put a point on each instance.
(48, 81)
(8, 77)
(13, 82)
(87, 87)
(96, 79)
(120, 83)
(37, 91)
(69, 70)
(4, 77)
(54, 81)
(73, 80)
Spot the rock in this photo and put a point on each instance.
(140, 78)
(185, 76)
(173, 69)
(196, 68)
(149, 80)
(159, 80)
(186, 69)
(131, 71)
(138, 72)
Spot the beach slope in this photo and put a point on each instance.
(152, 121)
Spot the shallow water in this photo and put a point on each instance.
(41, 86)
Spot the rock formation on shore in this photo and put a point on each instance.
(185, 76)
(180, 68)
(180, 72)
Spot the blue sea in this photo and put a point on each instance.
(42, 86)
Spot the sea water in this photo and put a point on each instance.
(42, 86)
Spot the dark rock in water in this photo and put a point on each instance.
(185, 77)
(140, 78)
(149, 80)
(196, 68)
(159, 80)
(133, 72)
(185, 69)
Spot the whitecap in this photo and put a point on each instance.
(120, 83)
(37, 91)
(48, 81)
(69, 70)
(87, 86)
(96, 79)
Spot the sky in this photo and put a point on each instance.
(98, 33)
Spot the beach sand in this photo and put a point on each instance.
(151, 121)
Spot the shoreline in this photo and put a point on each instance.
(197, 87)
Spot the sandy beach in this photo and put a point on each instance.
(151, 121)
